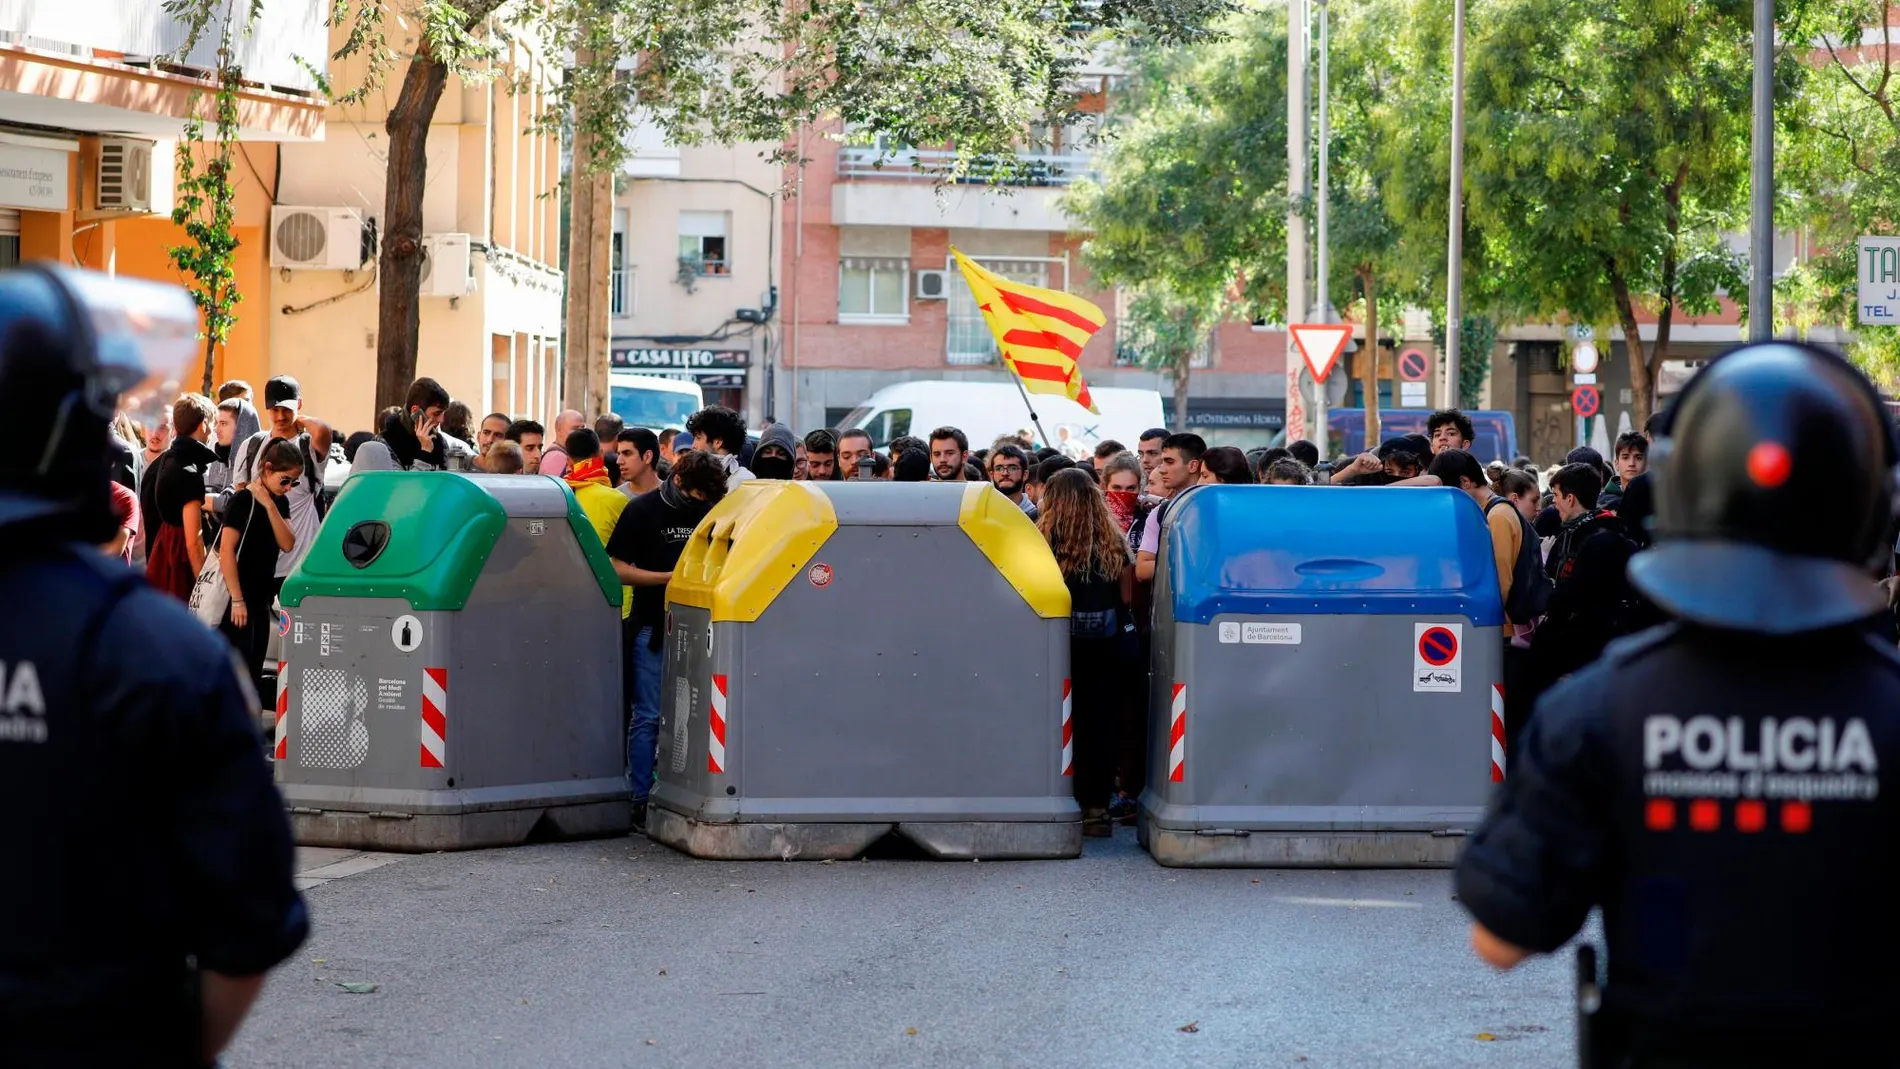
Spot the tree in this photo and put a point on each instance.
(205, 204)
(1189, 211)
(1839, 165)
(969, 73)
(1607, 159)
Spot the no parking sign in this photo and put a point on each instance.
(1438, 658)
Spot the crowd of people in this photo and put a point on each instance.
(219, 480)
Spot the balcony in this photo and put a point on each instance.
(932, 166)
(94, 67)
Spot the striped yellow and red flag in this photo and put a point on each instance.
(1041, 331)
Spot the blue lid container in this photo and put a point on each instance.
(1319, 550)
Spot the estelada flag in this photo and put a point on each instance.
(1040, 331)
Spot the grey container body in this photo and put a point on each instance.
(914, 692)
(525, 681)
(1320, 753)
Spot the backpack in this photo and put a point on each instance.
(1530, 584)
(249, 465)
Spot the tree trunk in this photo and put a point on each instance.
(1632, 345)
(400, 265)
(580, 255)
(211, 353)
(1183, 367)
(1369, 368)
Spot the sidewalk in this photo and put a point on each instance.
(318, 865)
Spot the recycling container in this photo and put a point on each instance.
(845, 659)
(452, 668)
(1325, 683)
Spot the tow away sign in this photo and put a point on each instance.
(1879, 269)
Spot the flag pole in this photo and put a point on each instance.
(1033, 418)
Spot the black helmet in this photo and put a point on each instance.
(1775, 485)
(70, 343)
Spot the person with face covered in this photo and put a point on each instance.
(777, 454)
(645, 546)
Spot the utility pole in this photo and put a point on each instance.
(1455, 246)
(1297, 189)
(1761, 231)
(1322, 299)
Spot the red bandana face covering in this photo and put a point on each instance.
(1122, 504)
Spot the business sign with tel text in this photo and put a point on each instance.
(1879, 270)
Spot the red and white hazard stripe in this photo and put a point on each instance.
(435, 717)
(1068, 729)
(716, 742)
(283, 709)
(1497, 733)
(1177, 736)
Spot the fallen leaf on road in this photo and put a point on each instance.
(1253, 881)
(653, 1042)
(829, 861)
(316, 961)
(910, 1031)
(1485, 1037)
(662, 972)
(360, 987)
(1191, 1026)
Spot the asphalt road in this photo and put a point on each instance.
(623, 953)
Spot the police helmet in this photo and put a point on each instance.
(71, 342)
(1775, 473)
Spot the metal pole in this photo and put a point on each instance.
(1030, 405)
(1761, 231)
(1455, 245)
(1322, 263)
(1296, 188)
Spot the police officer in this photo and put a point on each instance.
(145, 886)
(1715, 784)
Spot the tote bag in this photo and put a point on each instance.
(210, 597)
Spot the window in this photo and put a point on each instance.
(620, 293)
(882, 427)
(871, 289)
(703, 244)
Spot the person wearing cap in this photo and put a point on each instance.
(148, 884)
(283, 407)
(1714, 784)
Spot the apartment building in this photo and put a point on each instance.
(491, 312)
(89, 124)
(696, 269)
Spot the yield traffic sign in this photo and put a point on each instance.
(1321, 344)
(1585, 401)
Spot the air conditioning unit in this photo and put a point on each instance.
(125, 175)
(316, 239)
(447, 268)
(933, 285)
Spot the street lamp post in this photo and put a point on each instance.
(1297, 187)
(1761, 236)
(1322, 262)
(1455, 245)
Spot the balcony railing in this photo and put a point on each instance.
(933, 165)
(138, 31)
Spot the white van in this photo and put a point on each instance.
(651, 401)
(985, 411)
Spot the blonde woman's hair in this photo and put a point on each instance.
(1074, 517)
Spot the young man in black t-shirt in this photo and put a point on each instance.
(645, 545)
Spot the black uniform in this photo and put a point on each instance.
(1714, 784)
(1747, 890)
(142, 824)
(141, 839)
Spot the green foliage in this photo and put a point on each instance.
(1838, 162)
(1477, 339)
(973, 74)
(205, 200)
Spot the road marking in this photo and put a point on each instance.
(317, 865)
(1352, 903)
